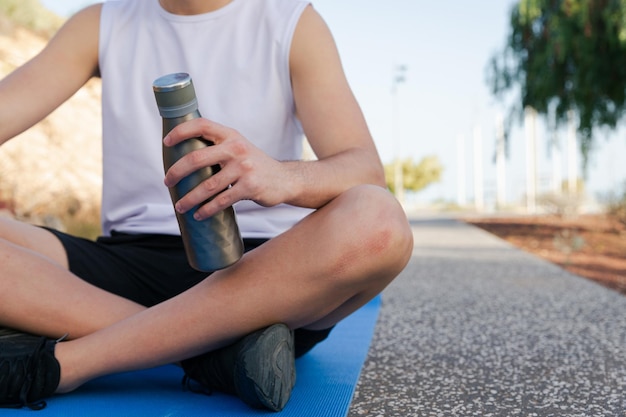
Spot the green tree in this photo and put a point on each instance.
(566, 55)
(415, 177)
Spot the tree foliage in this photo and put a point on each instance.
(566, 55)
(415, 177)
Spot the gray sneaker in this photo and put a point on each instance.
(259, 369)
(29, 372)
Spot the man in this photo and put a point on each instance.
(322, 237)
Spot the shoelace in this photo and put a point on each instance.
(29, 367)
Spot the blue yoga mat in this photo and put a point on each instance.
(326, 378)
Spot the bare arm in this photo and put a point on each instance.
(35, 89)
(332, 121)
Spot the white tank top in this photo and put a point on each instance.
(238, 58)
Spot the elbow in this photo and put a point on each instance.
(377, 174)
(378, 178)
(372, 169)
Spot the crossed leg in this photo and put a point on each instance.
(312, 276)
(41, 296)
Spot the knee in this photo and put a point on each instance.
(381, 238)
(387, 233)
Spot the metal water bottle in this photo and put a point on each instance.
(214, 243)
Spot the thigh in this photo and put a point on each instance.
(34, 238)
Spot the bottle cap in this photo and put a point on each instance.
(175, 95)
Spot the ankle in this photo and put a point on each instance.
(70, 377)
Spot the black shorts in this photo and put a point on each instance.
(149, 269)
(145, 268)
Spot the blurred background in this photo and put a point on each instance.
(426, 74)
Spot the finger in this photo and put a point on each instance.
(190, 163)
(194, 128)
(206, 190)
(220, 202)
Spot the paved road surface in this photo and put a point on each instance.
(475, 327)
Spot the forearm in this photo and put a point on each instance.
(312, 184)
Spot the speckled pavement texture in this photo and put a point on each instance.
(475, 327)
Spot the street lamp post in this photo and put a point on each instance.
(399, 77)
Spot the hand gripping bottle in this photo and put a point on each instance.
(214, 243)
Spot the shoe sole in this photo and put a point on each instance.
(265, 369)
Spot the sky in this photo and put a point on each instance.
(441, 48)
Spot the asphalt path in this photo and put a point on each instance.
(476, 327)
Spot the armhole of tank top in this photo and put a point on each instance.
(287, 41)
(103, 33)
